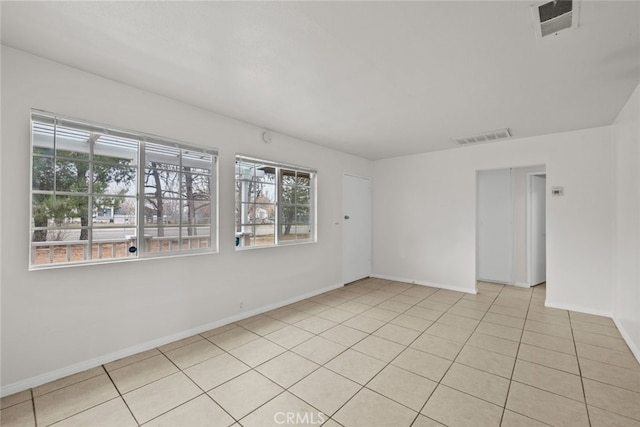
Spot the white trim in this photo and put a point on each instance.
(625, 335)
(529, 215)
(521, 285)
(627, 338)
(552, 304)
(423, 283)
(101, 360)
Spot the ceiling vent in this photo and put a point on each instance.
(492, 136)
(554, 16)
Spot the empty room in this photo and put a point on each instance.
(341, 213)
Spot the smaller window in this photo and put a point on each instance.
(275, 203)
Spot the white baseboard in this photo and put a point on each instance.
(552, 304)
(101, 360)
(627, 338)
(625, 335)
(521, 285)
(423, 283)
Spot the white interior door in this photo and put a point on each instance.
(356, 243)
(495, 227)
(538, 230)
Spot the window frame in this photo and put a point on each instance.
(278, 203)
(139, 142)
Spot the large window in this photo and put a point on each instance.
(100, 194)
(275, 203)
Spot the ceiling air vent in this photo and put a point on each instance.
(554, 16)
(492, 136)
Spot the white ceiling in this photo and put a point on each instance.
(376, 79)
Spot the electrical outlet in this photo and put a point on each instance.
(241, 305)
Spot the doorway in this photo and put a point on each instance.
(494, 252)
(356, 231)
(511, 226)
(537, 229)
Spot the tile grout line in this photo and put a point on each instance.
(286, 389)
(362, 387)
(339, 299)
(575, 347)
(369, 334)
(120, 395)
(515, 361)
(196, 384)
(33, 406)
(453, 361)
(309, 374)
(439, 382)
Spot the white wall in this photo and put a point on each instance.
(55, 322)
(626, 311)
(425, 214)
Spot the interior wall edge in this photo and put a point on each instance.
(578, 309)
(627, 338)
(424, 283)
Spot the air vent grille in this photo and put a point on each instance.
(491, 136)
(555, 16)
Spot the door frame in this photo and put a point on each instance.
(530, 176)
(342, 220)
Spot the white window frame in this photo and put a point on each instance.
(136, 250)
(279, 239)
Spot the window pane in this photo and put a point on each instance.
(163, 182)
(169, 242)
(302, 215)
(195, 162)
(245, 236)
(265, 234)
(287, 194)
(287, 232)
(303, 179)
(114, 211)
(303, 195)
(162, 156)
(288, 177)
(68, 211)
(114, 179)
(245, 171)
(287, 214)
(43, 138)
(109, 149)
(247, 213)
(114, 243)
(196, 186)
(73, 143)
(264, 193)
(59, 251)
(160, 213)
(196, 212)
(42, 173)
(266, 174)
(72, 176)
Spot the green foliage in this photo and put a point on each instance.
(71, 174)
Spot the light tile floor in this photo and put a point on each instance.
(374, 353)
